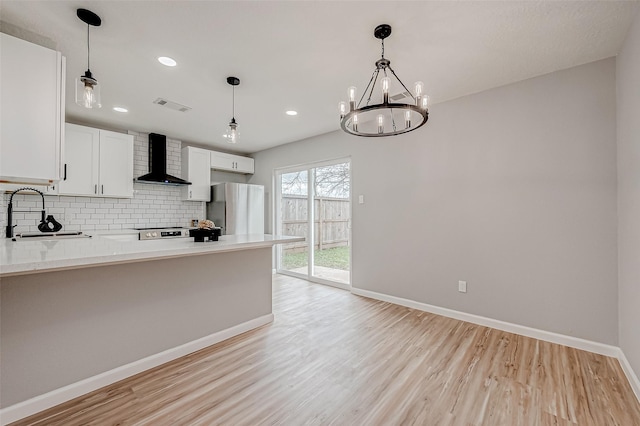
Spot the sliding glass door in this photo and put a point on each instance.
(314, 201)
(294, 220)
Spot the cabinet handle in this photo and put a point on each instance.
(102, 189)
(65, 172)
(95, 189)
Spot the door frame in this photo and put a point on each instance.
(277, 223)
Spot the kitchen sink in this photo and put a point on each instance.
(48, 236)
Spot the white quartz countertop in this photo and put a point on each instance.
(25, 257)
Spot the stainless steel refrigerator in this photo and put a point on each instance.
(237, 207)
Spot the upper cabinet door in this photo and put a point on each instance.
(244, 165)
(116, 165)
(222, 161)
(80, 169)
(32, 81)
(231, 163)
(196, 168)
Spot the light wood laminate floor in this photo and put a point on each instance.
(332, 358)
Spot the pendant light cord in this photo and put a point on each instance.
(233, 102)
(88, 49)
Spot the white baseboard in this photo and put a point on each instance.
(631, 375)
(548, 336)
(50, 399)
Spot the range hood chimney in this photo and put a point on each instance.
(158, 163)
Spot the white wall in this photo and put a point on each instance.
(151, 205)
(512, 189)
(628, 114)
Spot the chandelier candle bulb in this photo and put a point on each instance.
(424, 104)
(352, 98)
(342, 106)
(419, 88)
(385, 89)
(380, 124)
(407, 119)
(355, 122)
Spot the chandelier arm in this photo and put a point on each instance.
(398, 78)
(393, 120)
(373, 74)
(377, 72)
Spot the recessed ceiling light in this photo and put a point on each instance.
(165, 60)
(120, 109)
(292, 112)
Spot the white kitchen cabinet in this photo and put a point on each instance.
(231, 163)
(98, 163)
(32, 80)
(116, 165)
(196, 168)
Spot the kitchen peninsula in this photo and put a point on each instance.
(79, 314)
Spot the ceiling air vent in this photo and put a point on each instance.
(400, 96)
(172, 105)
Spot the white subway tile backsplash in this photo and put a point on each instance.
(151, 205)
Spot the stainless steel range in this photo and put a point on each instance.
(158, 233)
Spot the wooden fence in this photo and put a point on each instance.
(331, 221)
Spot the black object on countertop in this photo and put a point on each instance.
(49, 225)
(199, 235)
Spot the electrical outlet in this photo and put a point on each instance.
(462, 286)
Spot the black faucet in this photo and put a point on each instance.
(10, 226)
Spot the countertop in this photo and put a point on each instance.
(26, 257)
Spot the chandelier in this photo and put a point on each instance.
(386, 118)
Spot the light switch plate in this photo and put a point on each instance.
(462, 286)
(360, 199)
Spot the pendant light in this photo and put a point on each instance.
(384, 118)
(87, 88)
(232, 132)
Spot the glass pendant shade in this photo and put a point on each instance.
(232, 132)
(88, 91)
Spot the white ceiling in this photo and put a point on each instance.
(302, 55)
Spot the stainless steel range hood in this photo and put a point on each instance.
(158, 163)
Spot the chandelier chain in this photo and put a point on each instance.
(382, 48)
